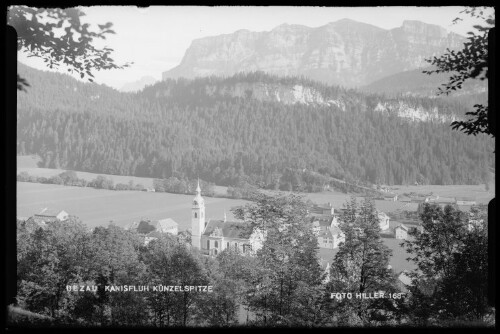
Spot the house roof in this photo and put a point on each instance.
(404, 278)
(323, 221)
(229, 229)
(49, 213)
(402, 226)
(466, 198)
(335, 230)
(447, 200)
(164, 225)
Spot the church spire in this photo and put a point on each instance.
(198, 189)
(225, 218)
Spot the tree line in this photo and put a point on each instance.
(283, 284)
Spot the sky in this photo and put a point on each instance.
(156, 38)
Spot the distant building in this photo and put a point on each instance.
(325, 209)
(390, 197)
(465, 201)
(383, 221)
(420, 199)
(45, 216)
(404, 281)
(401, 232)
(145, 227)
(213, 236)
(331, 238)
(50, 215)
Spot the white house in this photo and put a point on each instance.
(331, 239)
(383, 221)
(401, 232)
(47, 215)
(465, 201)
(404, 281)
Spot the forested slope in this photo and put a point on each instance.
(192, 128)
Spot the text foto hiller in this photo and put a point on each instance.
(142, 288)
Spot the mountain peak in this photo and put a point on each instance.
(345, 52)
(419, 27)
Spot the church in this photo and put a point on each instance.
(213, 236)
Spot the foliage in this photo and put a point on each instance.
(361, 266)
(58, 37)
(285, 286)
(452, 258)
(471, 62)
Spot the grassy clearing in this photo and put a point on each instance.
(97, 207)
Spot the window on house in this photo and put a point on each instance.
(215, 251)
(195, 215)
(208, 244)
(216, 244)
(228, 245)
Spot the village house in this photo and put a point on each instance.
(383, 221)
(45, 216)
(465, 201)
(390, 197)
(331, 238)
(149, 229)
(420, 199)
(382, 217)
(213, 236)
(404, 281)
(401, 232)
(326, 209)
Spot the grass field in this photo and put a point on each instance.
(28, 163)
(97, 207)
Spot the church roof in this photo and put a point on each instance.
(229, 229)
(323, 221)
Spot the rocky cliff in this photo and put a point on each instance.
(345, 52)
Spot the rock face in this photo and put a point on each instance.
(345, 52)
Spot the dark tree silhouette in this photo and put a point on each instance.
(58, 37)
(469, 63)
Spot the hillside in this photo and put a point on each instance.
(416, 83)
(229, 131)
(345, 52)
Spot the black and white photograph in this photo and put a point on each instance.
(251, 167)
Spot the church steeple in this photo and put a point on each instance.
(197, 218)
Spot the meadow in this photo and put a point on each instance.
(99, 207)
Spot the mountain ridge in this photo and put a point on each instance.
(344, 52)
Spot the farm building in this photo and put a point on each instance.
(401, 232)
(47, 215)
(465, 201)
(390, 197)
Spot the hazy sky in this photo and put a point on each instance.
(155, 38)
